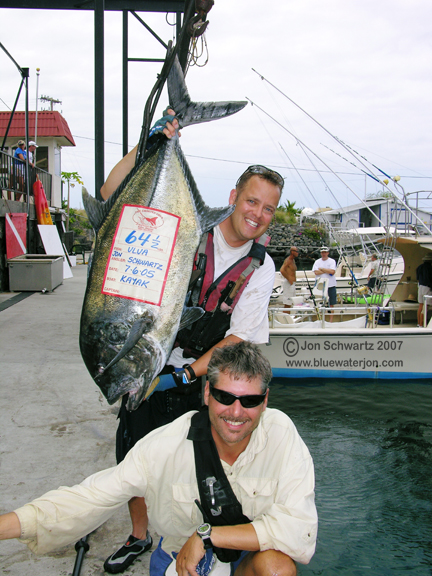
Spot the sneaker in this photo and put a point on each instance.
(123, 558)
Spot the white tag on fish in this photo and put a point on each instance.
(141, 254)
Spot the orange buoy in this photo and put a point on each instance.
(41, 204)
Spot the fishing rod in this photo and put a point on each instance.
(320, 159)
(350, 151)
(311, 292)
(340, 248)
(81, 548)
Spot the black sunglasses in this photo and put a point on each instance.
(226, 398)
(263, 170)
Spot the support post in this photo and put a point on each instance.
(99, 97)
(125, 82)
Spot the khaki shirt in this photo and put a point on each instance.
(273, 479)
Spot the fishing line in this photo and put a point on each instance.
(402, 201)
(341, 248)
(320, 159)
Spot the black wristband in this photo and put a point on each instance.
(189, 368)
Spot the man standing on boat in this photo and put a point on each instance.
(372, 272)
(325, 267)
(288, 271)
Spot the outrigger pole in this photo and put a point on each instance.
(353, 153)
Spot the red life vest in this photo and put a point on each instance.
(218, 297)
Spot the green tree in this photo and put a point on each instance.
(287, 213)
(70, 178)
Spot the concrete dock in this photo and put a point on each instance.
(56, 427)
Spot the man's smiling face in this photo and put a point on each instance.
(233, 425)
(255, 207)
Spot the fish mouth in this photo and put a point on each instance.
(128, 384)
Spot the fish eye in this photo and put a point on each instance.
(118, 334)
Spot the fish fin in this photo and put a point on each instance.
(96, 210)
(138, 328)
(190, 315)
(189, 112)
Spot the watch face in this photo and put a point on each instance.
(204, 530)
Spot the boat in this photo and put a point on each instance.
(381, 342)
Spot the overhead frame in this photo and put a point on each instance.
(179, 7)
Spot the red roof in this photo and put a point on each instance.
(49, 124)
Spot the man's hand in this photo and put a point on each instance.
(171, 127)
(189, 556)
(10, 526)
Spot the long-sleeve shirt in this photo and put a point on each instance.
(273, 478)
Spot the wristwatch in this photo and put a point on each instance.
(204, 532)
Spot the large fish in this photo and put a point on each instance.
(125, 339)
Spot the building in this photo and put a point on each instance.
(53, 134)
(375, 213)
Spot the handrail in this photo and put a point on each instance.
(12, 178)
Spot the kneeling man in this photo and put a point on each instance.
(230, 488)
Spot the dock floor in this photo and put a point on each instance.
(56, 428)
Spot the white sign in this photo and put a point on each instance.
(141, 254)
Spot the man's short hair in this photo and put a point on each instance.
(240, 360)
(262, 172)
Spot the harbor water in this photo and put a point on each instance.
(372, 448)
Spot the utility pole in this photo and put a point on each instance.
(51, 100)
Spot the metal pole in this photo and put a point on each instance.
(25, 75)
(99, 96)
(36, 116)
(68, 203)
(125, 82)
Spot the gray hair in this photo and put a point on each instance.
(240, 360)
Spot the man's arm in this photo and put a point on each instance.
(200, 365)
(122, 169)
(284, 268)
(330, 271)
(10, 526)
(242, 537)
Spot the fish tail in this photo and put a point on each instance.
(189, 112)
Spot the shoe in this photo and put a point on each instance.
(126, 555)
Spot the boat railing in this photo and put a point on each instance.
(374, 315)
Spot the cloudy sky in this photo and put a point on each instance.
(361, 68)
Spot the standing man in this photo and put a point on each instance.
(31, 150)
(263, 489)
(288, 271)
(20, 156)
(223, 256)
(372, 276)
(424, 279)
(325, 267)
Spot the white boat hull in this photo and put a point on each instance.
(382, 353)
